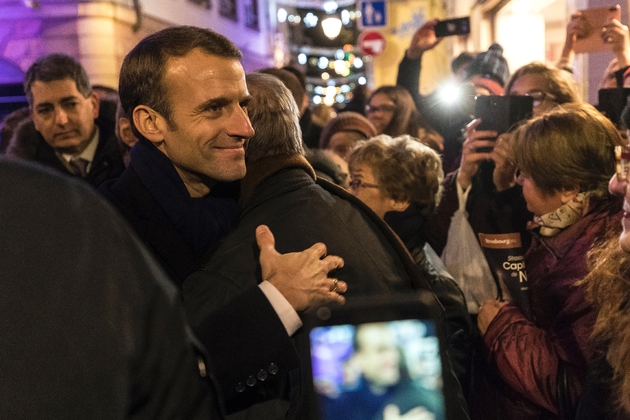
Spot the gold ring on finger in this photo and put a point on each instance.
(335, 286)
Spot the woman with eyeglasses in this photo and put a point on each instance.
(485, 181)
(392, 111)
(565, 158)
(399, 179)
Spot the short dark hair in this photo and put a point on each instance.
(53, 67)
(141, 79)
(275, 118)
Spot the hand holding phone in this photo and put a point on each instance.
(476, 149)
(594, 30)
(423, 40)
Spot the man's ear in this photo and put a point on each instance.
(149, 123)
(96, 105)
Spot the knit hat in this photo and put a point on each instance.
(491, 66)
(346, 121)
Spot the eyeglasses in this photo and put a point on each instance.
(539, 96)
(355, 184)
(622, 155)
(381, 108)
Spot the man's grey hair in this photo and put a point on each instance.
(275, 118)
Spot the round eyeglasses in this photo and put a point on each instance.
(355, 184)
(380, 108)
(539, 96)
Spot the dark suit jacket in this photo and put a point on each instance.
(28, 144)
(281, 193)
(246, 339)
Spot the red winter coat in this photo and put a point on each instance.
(527, 354)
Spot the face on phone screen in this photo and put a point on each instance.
(377, 370)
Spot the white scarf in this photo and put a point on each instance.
(564, 216)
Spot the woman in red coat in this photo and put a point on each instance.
(565, 158)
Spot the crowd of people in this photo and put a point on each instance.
(162, 242)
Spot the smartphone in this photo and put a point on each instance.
(502, 113)
(593, 20)
(393, 343)
(612, 102)
(450, 27)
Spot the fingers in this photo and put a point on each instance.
(342, 287)
(319, 249)
(333, 262)
(337, 289)
(473, 124)
(431, 23)
(472, 133)
(265, 240)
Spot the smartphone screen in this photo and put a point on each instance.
(450, 27)
(377, 370)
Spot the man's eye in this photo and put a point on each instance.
(70, 105)
(44, 111)
(214, 109)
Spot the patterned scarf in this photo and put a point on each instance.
(564, 216)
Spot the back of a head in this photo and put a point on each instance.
(571, 146)
(55, 67)
(406, 169)
(558, 83)
(290, 80)
(141, 79)
(297, 73)
(275, 118)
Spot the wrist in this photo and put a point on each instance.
(623, 59)
(413, 54)
(463, 180)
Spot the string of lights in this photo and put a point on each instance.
(323, 42)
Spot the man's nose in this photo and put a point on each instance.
(240, 126)
(61, 117)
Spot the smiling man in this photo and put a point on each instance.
(184, 90)
(66, 135)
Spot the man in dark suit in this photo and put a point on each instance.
(63, 110)
(184, 90)
(281, 191)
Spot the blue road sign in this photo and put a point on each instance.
(373, 14)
